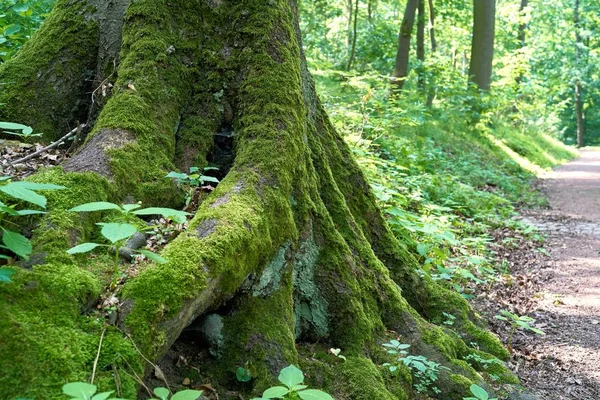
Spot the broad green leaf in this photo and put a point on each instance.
(8, 210)
(479, 392)
(187, 395)
(115, 232)
(11, 125)
(6, 273)
(83, 248)
(37, 186)
(12, 30)
(131, 207)
(102, 396)
(275, 392)
(243, 375)
(313, 394)
(162, 393)
(291, 376)
(23, 213)
(177, 175)
(24, 194)
(177, 215)
(96, 206)
(79, 390)
(209, 179)
(152, 256)
(16, 243)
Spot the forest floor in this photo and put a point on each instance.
(557, 282)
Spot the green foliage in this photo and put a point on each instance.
(517, 322)
(292, 378)
(118, 233)
(19, 19)
(22, 131)
(86, 391)
(479, 393)
(13, 241)
(425, 371)
(190, 182)
(243, 374)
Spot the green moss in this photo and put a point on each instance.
(45, 84)
(362, 380)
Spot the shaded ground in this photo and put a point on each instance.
(559, 286)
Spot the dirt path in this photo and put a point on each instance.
(565, 363)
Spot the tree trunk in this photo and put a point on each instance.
(290, 254)
(579, 112)
(431, 92)
(371, 9)
(522, 37)
(401, 67)
(354, 38)
(421, 41)
(432, 26)
(482, 47)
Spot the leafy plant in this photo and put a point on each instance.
(118, 233)
(87, 391)
(292, 378)
(485, 363)
(22, 131)
(192, 180)
(425, 371)
(11, 240)
(18, 20)
(243, 374)
(479, 393)
(515, 321)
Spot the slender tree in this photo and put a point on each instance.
(421, 40)
(579, 111)
(402, 55)
(482, 47)
(354, 37)
(432, 86)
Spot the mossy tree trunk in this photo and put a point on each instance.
(290, 253)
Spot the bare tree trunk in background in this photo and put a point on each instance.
(482, 47)
(522, 37)
(421, 41)
(401, 67)
(579, 111)
(372, 9)
(354, 37)
(432, 85)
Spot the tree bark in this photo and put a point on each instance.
(482, 47)
(402, 55)
(290, 253)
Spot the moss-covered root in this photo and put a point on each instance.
(46, 85)
(133, 141)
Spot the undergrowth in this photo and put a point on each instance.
(445, 176)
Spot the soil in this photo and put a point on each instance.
(558, 284)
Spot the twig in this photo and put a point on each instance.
(104, 81)
(51, 146)
(117, 380)
(97, 356)
(136, 377)
(156, 367)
